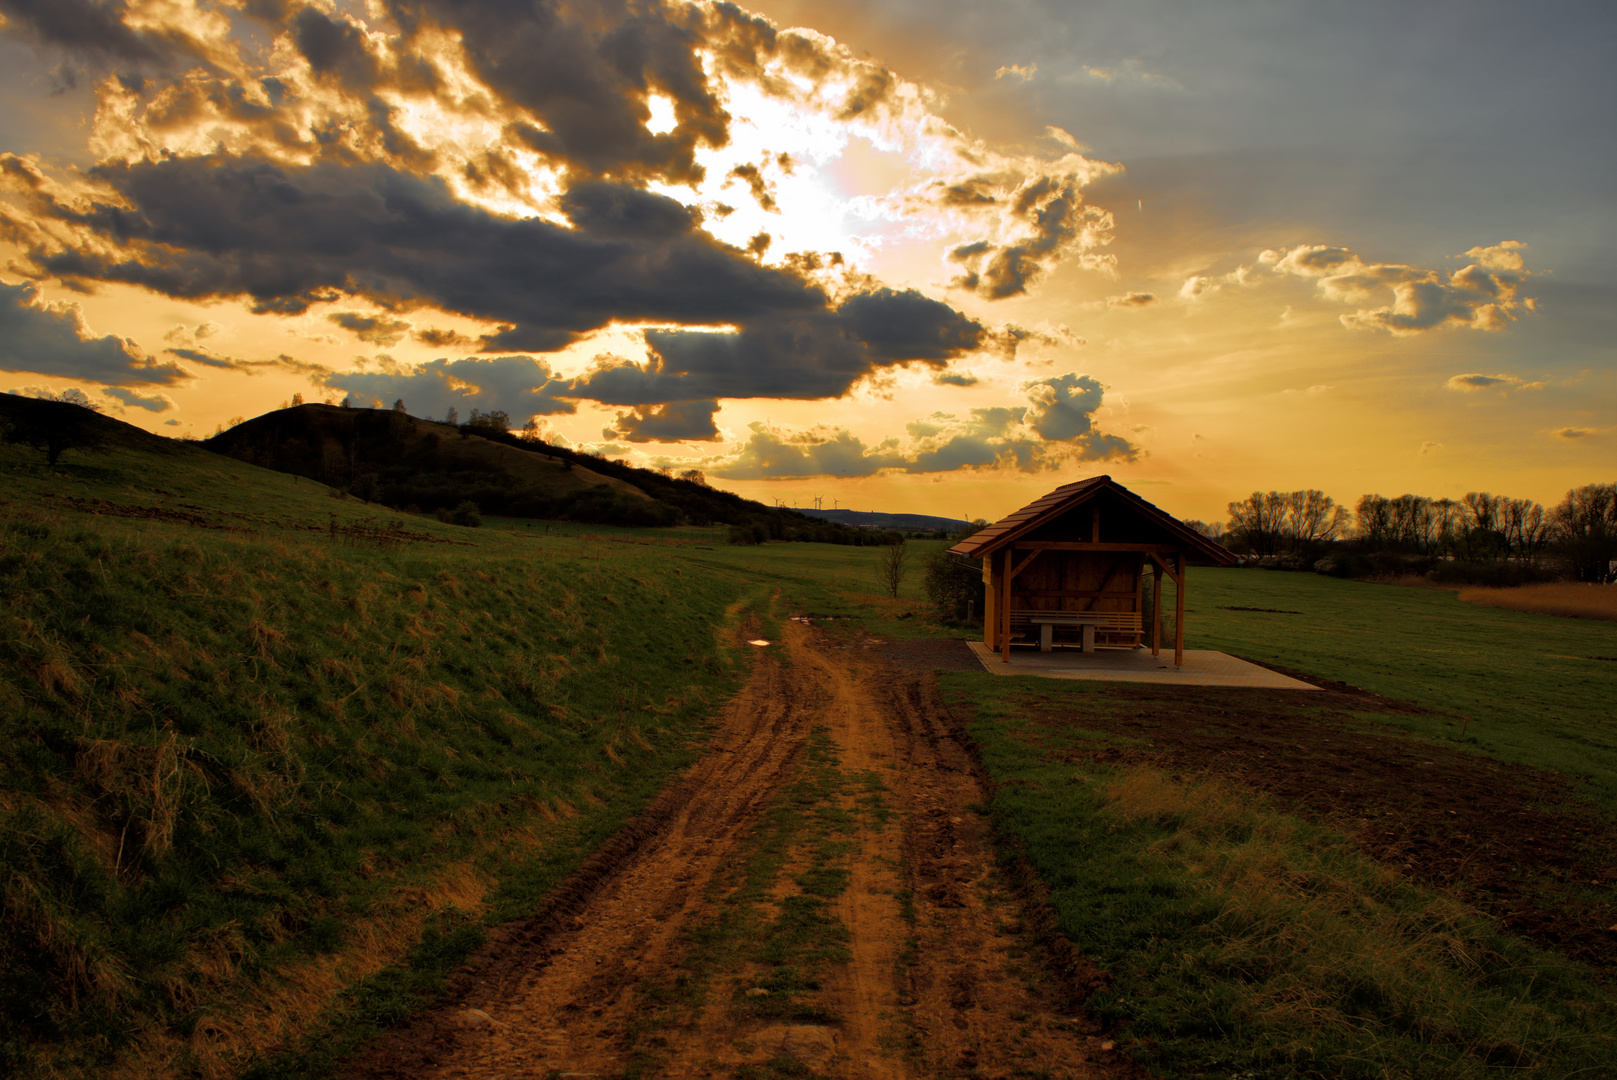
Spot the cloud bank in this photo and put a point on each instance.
(1055, 427)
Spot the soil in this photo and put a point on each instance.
(1516, 842)
(965, 984)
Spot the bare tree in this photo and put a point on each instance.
(1586, 524)
(892, 566)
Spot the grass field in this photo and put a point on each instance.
(271, 762)
(1538, 689)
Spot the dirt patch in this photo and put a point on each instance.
(1514, 841)
(943, 974)
(931, 654)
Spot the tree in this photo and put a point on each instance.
(1586, 531)
(695, 476)
(954, 586)
(297, 399)
(1258, 520)
(892, 566)
(452, 418)
(398, 406)
(494, 422)
(62, 422)
(530, 431)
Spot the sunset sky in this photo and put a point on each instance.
(931, 257)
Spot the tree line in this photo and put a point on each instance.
(1577, 537)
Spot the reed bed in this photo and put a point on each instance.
(1569, 599)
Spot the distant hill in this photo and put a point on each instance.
(409, 463)
(73, 428)
(875, 519)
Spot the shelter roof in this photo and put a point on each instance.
(1047, 508)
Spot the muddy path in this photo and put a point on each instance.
(818, 897)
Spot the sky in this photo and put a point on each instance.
(934, 257)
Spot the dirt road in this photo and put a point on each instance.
(818, 897)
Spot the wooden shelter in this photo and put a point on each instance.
(1073, 563)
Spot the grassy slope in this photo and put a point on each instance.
(254, 778)
(264, 435)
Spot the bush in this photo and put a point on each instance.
(465, 514)
(953, 586)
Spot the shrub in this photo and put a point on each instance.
(953, 586)
(465, 514)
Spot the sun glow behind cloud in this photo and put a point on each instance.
(960, 263)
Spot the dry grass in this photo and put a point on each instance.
(1570, 599)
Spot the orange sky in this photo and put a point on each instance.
(925, 265)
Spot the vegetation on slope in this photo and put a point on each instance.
(257, 748)
(398, 460)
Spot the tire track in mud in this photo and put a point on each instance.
(944, 974)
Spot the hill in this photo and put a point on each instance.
(57, 427)
(419, 465)
(876, 519)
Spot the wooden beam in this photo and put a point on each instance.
(1010, 575)
(1164, 568)
(1179, 615)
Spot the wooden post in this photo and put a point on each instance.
(1005, 609)
(990, 604)
(1156, 609)
(1179, 612)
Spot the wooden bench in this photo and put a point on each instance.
(1097, 629)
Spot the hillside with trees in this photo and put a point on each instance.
(390, 457)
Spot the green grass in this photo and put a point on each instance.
(1241, 941)
(247, 764)
(1531, 685)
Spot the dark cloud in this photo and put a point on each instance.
(677, 421)
(1063, 406)
(55, 341)
(754, 179)
(288, 237)
(377, 329)
(811, 356)
(519, 385)
(1049, 213)
(92, 28)
(1131, 300)
(247, 367)
(585, 70)
(206, 359)
(955, 378)
(440, 339)
(134, 399)
(335, 48)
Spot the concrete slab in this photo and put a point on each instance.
(1203, 667)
